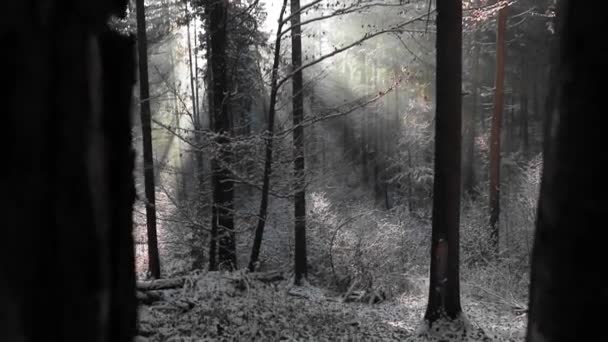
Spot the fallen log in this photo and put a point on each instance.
(160, 284)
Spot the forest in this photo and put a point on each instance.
(303, 170)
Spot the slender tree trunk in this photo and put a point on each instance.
(68, 181)
(444, 290)
(495, 132)
(196, 85)
(470, 119)
(259, 231)
(223, 185)
(568, 259)
(144, 99)
(191, 68)
(300, 263)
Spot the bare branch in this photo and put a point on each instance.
(367, 36)
(343, 11)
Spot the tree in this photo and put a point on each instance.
(222, 225)
(568, 260)
(444, 289)
(298, 145)
(495, 132)
(144, 101)
(263, 212)
(276, 84)
(68, 220)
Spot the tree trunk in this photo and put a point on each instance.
(68, 184)
(144, 100)
(468, 184)
(495, 132)
(568, 260)
(300, 265)
(259, 231)
(444, 290)
(222, 226)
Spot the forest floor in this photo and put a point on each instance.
(217, 306)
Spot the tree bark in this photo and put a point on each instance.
(223, 186)
(568, 259)
(495, 132)
(144, 100)
(444, 290)
(300, 265)
(68, 186)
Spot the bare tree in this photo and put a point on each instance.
(146, 128)
(277, 82)
(259, 231)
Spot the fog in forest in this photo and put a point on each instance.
(312, 170)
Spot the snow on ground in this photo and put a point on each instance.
(231, 307)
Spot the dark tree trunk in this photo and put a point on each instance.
(495, 132)
(68, 180)
(444, 290)
(300, 265)
(567, 294)
(223, 186)
(146, 129)
(259, 231)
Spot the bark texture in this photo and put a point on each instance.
(567, 294)
(222, 227)
(68, 188)
(444, 290)
(298, 145)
